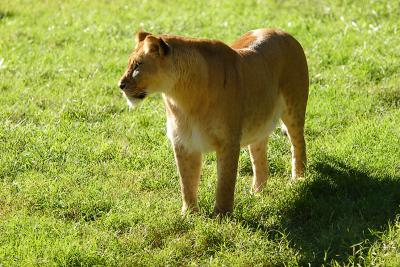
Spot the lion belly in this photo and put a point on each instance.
(197, 137)
(256, 129)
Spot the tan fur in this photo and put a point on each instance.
(220, 98)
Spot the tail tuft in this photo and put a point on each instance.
(284, 129)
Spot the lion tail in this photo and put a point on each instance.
(283, 129)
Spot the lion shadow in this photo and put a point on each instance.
(336, 215)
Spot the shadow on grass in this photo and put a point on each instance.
(6, 14)
(337, 214)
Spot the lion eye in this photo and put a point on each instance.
(136, 66)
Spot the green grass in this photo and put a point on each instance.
(83, 181)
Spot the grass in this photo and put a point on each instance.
(83, 181)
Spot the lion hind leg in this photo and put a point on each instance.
(259, 163)
(294, 122)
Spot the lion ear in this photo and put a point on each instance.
(140, 36)
(155, 45)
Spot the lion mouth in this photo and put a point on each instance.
(140, 95)
(133, 99)
(136, 95)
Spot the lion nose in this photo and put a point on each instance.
(121, 85)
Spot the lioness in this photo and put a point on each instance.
(220, 98)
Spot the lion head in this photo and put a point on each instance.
(149, 68)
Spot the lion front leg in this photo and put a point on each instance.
(227, 163)
(189, 165)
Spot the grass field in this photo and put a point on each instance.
(84, 181)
